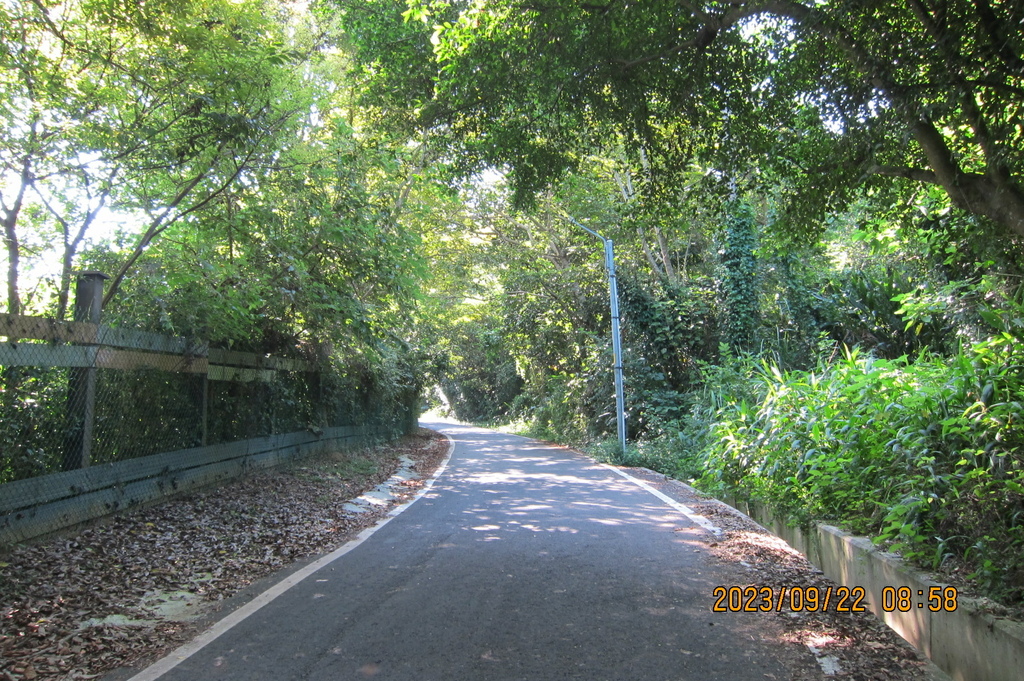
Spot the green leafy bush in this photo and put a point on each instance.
(924, 453)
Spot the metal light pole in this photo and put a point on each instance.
(613, 293)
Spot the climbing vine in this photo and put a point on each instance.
(739, 283)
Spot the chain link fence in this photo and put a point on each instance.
(116, 417)
(59, 411)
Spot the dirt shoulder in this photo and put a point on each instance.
(133, 586)
(847, 645)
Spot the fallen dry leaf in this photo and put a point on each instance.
(74, 607)
(866, 649)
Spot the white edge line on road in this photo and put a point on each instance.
(166, 664)
(682, 508)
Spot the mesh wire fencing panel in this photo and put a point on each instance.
(145, 411)
(55, 419)
(245, 409)
(33, 421)
(95, 418)
(68, 406)
(61, 418)
(59, 411)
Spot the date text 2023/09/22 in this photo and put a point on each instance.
(753, 598)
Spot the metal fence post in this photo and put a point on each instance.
(81, 413)
(204, 408)
(613, 293)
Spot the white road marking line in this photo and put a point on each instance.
(682, 508)
(166, 664)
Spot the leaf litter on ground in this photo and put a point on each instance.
(77, 606)
(125, 589)
(853, 646)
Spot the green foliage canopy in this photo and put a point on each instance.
(827, 95)
(151, 110)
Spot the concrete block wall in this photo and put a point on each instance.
(969, 644)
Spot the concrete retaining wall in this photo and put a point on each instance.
(62, 500)
(969, 644)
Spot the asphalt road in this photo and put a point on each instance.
(522, 562)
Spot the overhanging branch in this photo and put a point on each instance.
(916, 174)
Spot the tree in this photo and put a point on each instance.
(306, 246)
(827, 94)
(152, 110)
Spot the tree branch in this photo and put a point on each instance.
(705, 36)
(1000, 45)
(156, 226)
(916, 174)
(11, 239)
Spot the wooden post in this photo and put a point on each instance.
(81, 413)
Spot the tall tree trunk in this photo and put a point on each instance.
(11, 375)
(13, 263)
(993, 195)
(666, 256)
(11, 214)
(651, 260)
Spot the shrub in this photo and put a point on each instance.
(926, 454)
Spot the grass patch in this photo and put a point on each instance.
(349, 467)
(354, 467)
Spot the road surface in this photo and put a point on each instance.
(523, 562)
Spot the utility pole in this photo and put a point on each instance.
(613, 294)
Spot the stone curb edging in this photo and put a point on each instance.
(969, 644)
